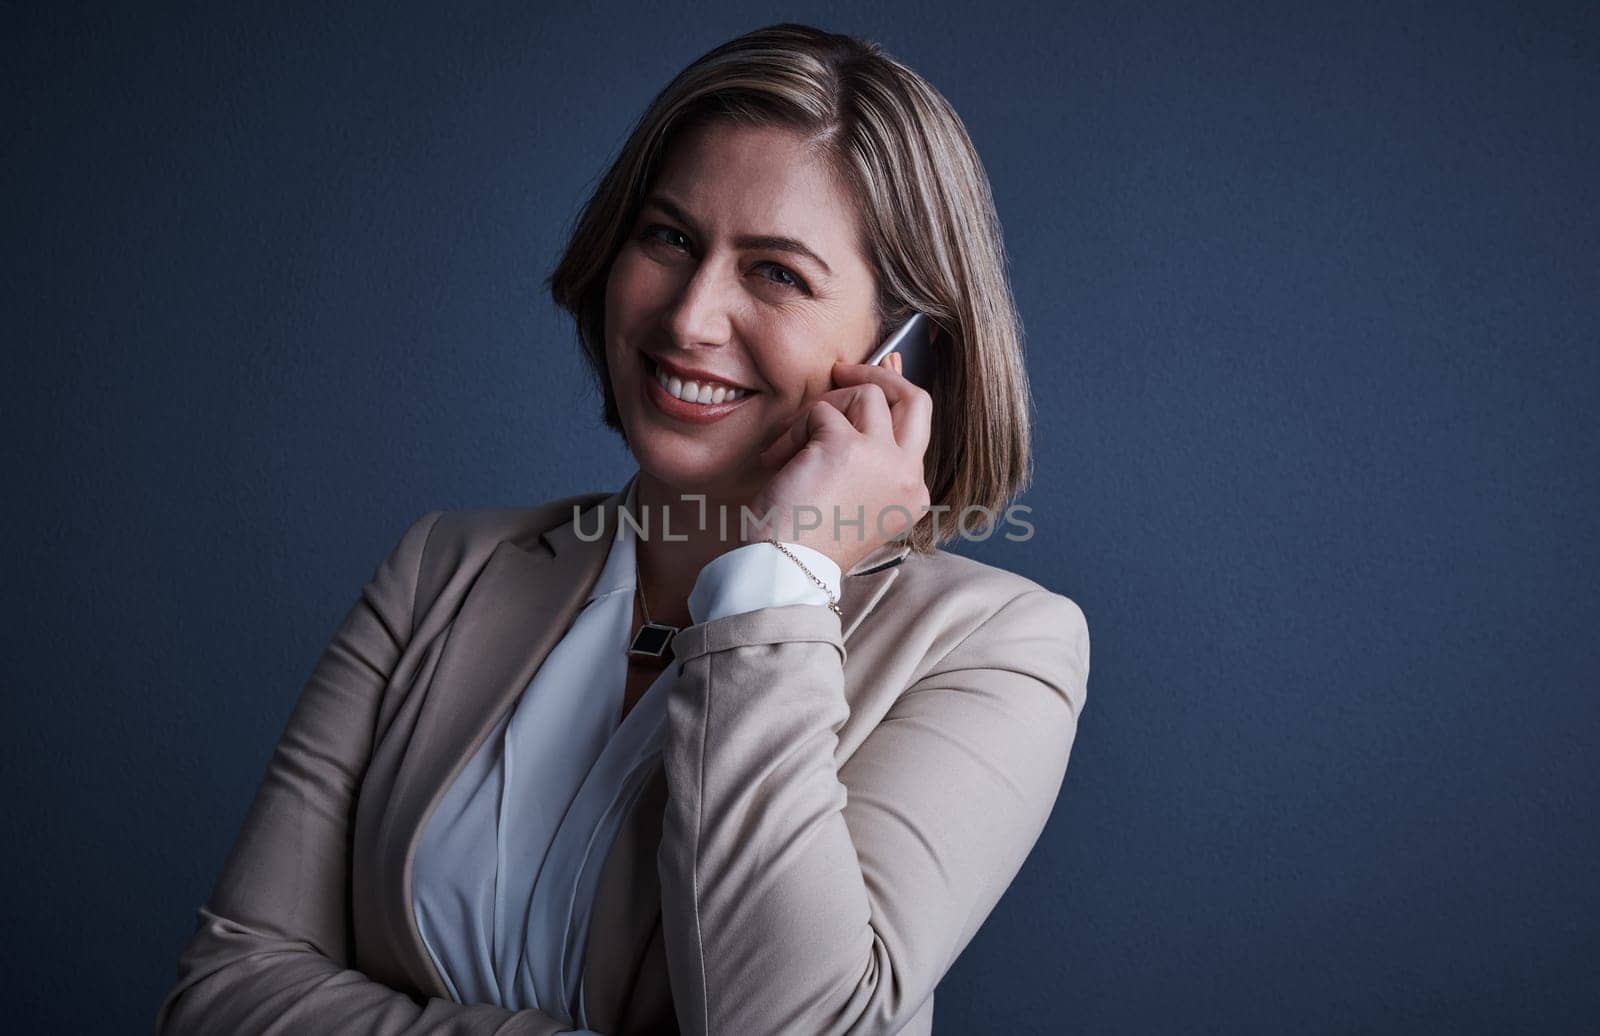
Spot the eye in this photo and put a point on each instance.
(650, 232)
(665, 235)
(793, 282)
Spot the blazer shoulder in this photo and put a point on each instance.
(484, 528)
(986, 591)
(990, 585)
(463, 539)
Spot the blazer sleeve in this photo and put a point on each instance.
(798, 896)
(271, 949)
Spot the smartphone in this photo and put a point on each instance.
(914, 341)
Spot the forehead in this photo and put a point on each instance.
(760, 180)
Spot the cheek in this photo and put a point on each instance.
(801, 375)
(625, 302)
(804, 357)
(617, 290)
(628, 289)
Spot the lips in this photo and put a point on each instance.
(681, 410)
(683, 373)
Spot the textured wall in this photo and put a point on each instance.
(1311, 301)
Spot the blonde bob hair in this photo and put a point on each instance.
(928, 222)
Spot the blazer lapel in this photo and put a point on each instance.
(520, 606)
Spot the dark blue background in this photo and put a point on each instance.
(1311, 309)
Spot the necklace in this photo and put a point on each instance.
(654, 639)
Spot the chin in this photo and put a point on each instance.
(690, 466)
(687, 470)
(706, 460)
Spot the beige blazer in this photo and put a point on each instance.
(840, 803)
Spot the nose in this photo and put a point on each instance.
(703, 311)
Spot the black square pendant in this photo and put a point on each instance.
(653, 641)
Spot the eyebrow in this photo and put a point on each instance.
(757, 242)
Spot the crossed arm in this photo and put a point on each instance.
(799, 896)
(270, 952)
(790, 904)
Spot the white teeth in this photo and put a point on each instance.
(695, 392)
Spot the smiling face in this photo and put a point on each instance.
(706, 285)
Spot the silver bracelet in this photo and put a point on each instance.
(833, 602)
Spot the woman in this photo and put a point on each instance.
(617, 764)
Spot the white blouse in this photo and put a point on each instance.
(506, 870)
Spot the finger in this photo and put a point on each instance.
(910, 408)
(866, 407)
(825, 422)
(898, 363)
(809, 424)
(868, 410)
(892, 381)
(785, 446)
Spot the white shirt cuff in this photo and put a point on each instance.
(759, 575)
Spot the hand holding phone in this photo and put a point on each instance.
(865, 451)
